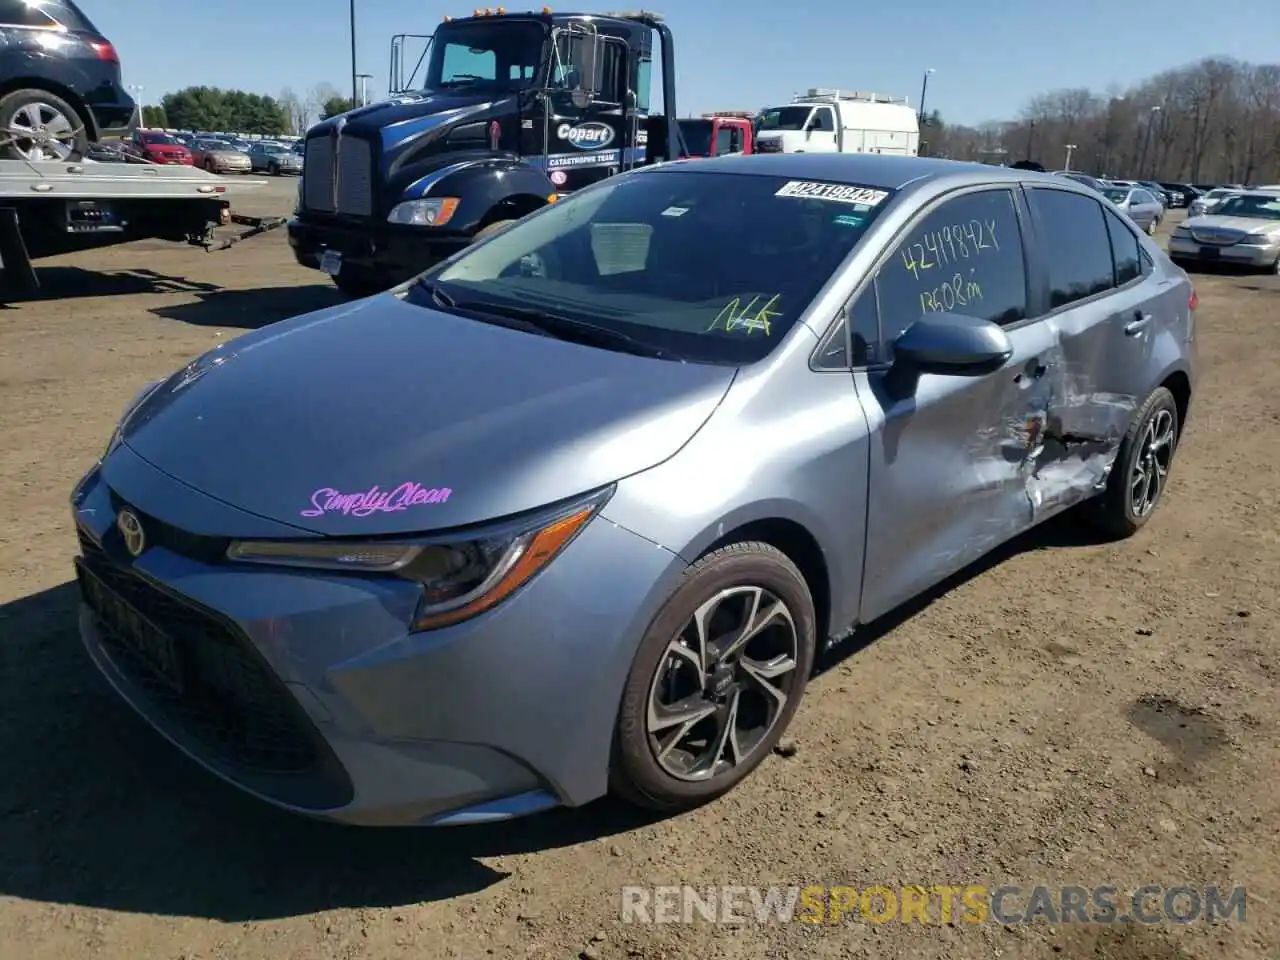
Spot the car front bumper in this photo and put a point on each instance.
(1245, 255)
(306, 688)
(390, 252)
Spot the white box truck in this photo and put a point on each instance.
(839, 121)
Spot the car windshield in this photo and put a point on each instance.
(1255, 208)
(1217, 194)
(707, 267)
(697, 137)
(784, 118)
(1116, 194)
(495, 53)
(161, 138)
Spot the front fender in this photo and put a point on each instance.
(480, 184)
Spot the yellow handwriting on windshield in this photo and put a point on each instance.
(755, 315)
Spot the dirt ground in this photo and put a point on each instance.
(1069, 713)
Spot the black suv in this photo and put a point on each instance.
(59, 82)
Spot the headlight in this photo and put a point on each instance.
(435, 212)
(461, 576)
(1258, 239)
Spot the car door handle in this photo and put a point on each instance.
(1137, 324)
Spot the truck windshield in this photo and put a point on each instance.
(784, 118)
(504, 53)
(706, 267)
(697, 137)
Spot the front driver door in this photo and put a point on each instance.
(586, 144)
(950, 459)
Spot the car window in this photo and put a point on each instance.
(1142, 196)
(1126, 252)
(712, 267)
(862, 324)
(1255, 207)
(822, 120)
(22, 14)
(966, 256)
(1079, 258)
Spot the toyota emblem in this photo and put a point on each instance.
(130, 527)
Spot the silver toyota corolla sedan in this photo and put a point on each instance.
(575, 510)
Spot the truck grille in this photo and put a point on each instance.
(317, 175)
(355, 177)
(210, 686)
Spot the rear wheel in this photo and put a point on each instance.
(36, 125)
(273, 170)
(716, 680)
(1141, 469)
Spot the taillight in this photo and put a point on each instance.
(1193, 301)
(105, 51)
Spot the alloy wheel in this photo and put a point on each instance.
(722, 683)
(41, 131)
(1151, 465)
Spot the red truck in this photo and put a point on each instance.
(717, 134)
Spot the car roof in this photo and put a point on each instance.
(870, 170)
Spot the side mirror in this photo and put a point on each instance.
(588, 66)
(952, 344)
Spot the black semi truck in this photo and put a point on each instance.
(513, 111)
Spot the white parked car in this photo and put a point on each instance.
(1206, 204)
(1243, 229)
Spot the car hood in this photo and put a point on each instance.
(1239, 225)
(226, 154)
(312, 421)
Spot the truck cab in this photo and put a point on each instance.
(838, 121)
(717, 134)
(512, 112)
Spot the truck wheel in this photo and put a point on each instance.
(42, 127)
(716, 680)
(495, 227)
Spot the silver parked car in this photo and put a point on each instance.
(274, 158)
(1138, 204)
(1243, 229)
(602, 485)
(1205, 204)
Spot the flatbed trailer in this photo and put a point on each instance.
(57, 206)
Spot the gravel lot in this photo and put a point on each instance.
(1070, 712)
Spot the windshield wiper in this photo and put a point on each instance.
(567, 328)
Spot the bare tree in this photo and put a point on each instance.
(295, 110)
(1215, 121)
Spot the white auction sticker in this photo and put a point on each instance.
(839, 192)
(558, 177)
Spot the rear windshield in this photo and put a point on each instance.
(63, 12)
(710, 267)
(1116, 194)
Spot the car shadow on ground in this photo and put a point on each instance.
(97, 810)
(76, 283)
(251, 309)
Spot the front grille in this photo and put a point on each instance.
(355, 177)
(317, 176)
(161, 534)
(212, 687)
(1220, 237)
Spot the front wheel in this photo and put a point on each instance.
(1141, 469)
(716, 680)
(273, 170)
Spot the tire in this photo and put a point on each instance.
(1114, 511)
(1153, 226)
(734, 572)
(273, 170)
(491, 229)
(209, 166)
(41, 110)
(357, 284)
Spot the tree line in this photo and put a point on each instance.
(237, 111)
(1215, 121)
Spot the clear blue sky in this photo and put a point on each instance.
(990, 55)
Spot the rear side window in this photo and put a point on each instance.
(1077, 245)
(965, 257)
(20, 14)
(1126, 252)
(46, 13)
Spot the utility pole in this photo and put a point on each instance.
(355, 82)
(924, 90)
(1070, 148)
